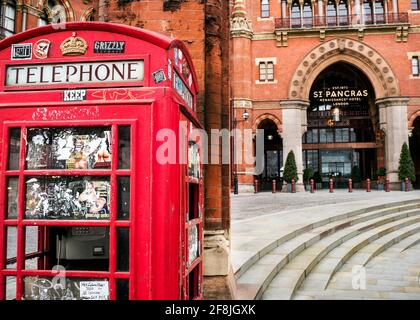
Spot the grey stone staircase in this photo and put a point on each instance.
(317, 251)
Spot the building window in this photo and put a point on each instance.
(415, 66)
(43, 19)
(415, 5)
(331, 13)
(307, 14)
(265, 8)
(54, 12)
(343, 13)
(368, 11)
(295, 14)
(7, 18)
(379, 11)
(267, 71)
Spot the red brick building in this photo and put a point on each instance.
(337, 82)
(203, 26)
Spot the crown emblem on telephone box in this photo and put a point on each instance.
(73, 46)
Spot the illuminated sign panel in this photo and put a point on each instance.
(340, 95)
(74, 73)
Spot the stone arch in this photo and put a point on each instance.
(354, 52)
(413, 118)
(265, 116)
(87, 14)
(68, 9)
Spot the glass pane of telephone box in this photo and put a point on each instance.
(70, 248)
(14, 149)
(193, 200)
(70, 198)
(78, 148)
(123, 198)
(10, 288)
(122, 289)
(193, 160)
(31, 247)
(124, 147)
(123, 249)
(11, 247)
(12, 197)
(193, 278)
(193, 244)
(65, 288)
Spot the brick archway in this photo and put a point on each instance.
(354, 52)
(65, 4)
(413, 118)
(265, 116)
(86, 15)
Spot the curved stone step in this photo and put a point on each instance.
(414, 243)
(392, 275)
(253, 282)
(389, 243)
(362, 242)
(292, 276)
(246, 259)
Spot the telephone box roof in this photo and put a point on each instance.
(154, 38)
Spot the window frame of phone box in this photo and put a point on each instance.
(21, 223)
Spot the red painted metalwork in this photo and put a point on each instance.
(350, 185)
(387, 188)
(274, 186)
(256, 186)
(331, 186)
(406, 185)
(368, 185)
(165, 199)
(312, 184)
(293, 185)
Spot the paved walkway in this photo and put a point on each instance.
(249, 205)
(259, 220)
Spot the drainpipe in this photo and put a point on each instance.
(24, 17)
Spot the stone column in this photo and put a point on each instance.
(294, 126)
(283, 9)
(395, 6)
(241, 83)
(393, 121)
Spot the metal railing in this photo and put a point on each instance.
(341, 21)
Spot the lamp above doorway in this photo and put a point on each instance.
(335, 114)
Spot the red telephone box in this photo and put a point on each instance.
(93, 205)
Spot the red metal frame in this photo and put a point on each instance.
(158, 231)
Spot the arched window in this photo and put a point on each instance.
(368, 12)
(265, 8)
(307, 14)
(54, 12)
(343, 12)
(43, 19)
(379, 11)
(331, 13)
(295, 14)
(7, 18)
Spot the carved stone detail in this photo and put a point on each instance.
(359, 53)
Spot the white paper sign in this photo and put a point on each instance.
(94, 290)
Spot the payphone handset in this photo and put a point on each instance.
(83, 243)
